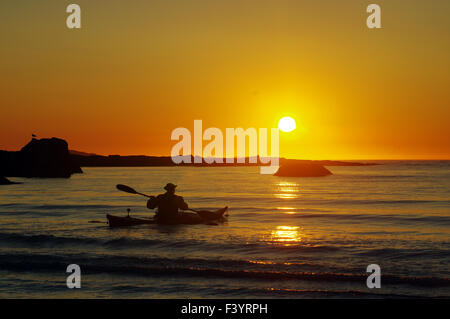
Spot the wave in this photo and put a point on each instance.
(377, 201)
(64, 207)
(306, 293)
(394, 253)
(366, 177)
(37, 240)
(35, 213)
(323, 202)
(12, 239)
(233, 292)
(161, 267)
(440, 220)
(262, 246)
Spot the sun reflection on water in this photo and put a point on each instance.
(287, 210)
(286, 235)
(287, 190)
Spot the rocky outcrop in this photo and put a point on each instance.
(302, 169)
(39, 158)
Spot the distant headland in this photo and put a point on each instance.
(46, 157)
(50, 157)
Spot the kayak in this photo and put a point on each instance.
(116, 221)
(200, 217)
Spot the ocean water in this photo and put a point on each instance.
(284, 238)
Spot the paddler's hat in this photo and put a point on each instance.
(170, 186)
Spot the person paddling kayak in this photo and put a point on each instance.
(168, 205)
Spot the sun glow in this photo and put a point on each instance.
(287, 124)
(286, 235)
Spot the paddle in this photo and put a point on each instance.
(202, 213)
(128, 189)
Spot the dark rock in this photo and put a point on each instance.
(39, 158)
(302, 169)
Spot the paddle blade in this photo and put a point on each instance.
(125, 188)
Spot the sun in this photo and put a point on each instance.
(287, 124)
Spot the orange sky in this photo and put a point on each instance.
(139, 69)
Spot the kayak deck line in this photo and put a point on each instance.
(202, 217)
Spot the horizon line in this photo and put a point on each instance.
(280, 157)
